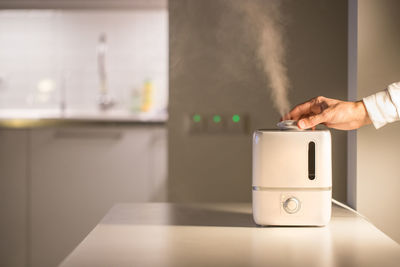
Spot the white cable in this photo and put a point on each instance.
(340, 204)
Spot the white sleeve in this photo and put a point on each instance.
(384, 107)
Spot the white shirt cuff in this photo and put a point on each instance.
(384, 107)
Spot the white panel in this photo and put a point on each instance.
(62, 46)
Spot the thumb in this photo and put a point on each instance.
(311, 121)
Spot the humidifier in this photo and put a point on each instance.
(292, 177)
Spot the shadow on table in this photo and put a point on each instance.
(207, 217)
(180, 214)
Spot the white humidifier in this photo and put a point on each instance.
(292, 177)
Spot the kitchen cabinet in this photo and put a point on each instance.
(57, 183)
(79, 173)
(13, 197)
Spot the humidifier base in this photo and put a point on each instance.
(292, 206)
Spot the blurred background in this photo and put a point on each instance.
(107, 101)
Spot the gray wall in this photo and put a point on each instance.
(378, 169)
(213, 68)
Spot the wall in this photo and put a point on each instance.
(213, 69)
(378, 170)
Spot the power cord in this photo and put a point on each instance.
(340, 204)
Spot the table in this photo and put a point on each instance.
(166, 234)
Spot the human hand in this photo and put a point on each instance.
(333, 113)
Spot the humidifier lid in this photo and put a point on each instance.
(288, 125)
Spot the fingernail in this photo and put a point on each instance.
(302, 124)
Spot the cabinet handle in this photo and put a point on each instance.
(87, 135)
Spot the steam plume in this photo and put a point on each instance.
(268, 32)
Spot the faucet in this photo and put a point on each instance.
(105, 100)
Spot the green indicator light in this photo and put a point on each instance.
(196, 118)
(217, 118)
(236, 118)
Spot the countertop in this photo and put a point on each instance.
(165, 234)
(35, 117)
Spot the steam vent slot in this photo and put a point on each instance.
(311, 160)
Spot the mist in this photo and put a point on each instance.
(265, 21)
(249, 39)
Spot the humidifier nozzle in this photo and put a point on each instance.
(288, 125)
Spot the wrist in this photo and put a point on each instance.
(362, 111)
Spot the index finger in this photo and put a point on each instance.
(300, 110)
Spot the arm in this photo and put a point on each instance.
(379, 108)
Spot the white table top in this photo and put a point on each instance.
(164, 234)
